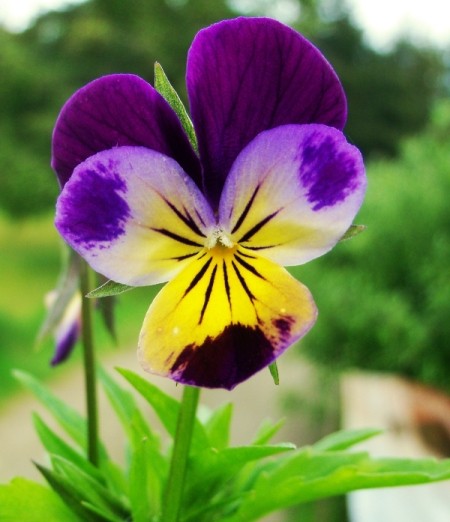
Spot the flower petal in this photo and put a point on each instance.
(229, 314)
(248, 75)
(134, 215)
(116, 110)
(293, 192)
(67, 332)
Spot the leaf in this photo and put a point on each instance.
(218, 426)
(66, 288)
(146, 479)
(307, 475)
(353, 231)
(64, 490)
(164, 87)
(108, 289)
(165, 407)
(267, 431)
(344, 439)
(88, 490)
(69, 419)
(26, 501)
(57, 446)
(211, 472)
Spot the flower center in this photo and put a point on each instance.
(218, 238)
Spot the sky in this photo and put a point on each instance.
(425, 21)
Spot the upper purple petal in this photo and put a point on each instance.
(248, 75)
(116, 110)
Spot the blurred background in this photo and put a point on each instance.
(383, 297)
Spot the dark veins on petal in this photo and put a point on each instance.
(329, 174)
(225, 361)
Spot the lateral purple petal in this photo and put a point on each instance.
(248, 75)
(117, 110)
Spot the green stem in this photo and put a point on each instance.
(89, 365)
(178, 464)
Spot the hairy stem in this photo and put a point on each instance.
(182, 444)
(89, 365)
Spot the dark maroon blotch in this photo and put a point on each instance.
(225, 361)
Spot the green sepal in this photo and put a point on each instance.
(273, 368)
(353, 231)
(165, 88)
(108, 289)
(66, 288)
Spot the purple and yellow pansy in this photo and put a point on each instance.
(274, 184)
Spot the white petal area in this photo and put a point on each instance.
(293, 192)
(134, 215)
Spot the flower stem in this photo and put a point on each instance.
(182, 444)
(89, 365)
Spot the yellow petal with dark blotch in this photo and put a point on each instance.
(227, 315)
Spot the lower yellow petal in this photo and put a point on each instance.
(228, 314)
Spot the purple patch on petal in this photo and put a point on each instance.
(225, 361)
(92, 209)
(65, 344)
(329, 169)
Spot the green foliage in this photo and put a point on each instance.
(383, 298)
(28, 501)
(223, 484)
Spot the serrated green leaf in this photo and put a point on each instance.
(25, 501)
(108, 289)
(218, 426)
(57, 446)
(87, 489)
(165, 407)
(344, 439)
(164, 87)
(353, 231)
(67, 286)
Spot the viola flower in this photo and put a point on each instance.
(275, 183)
